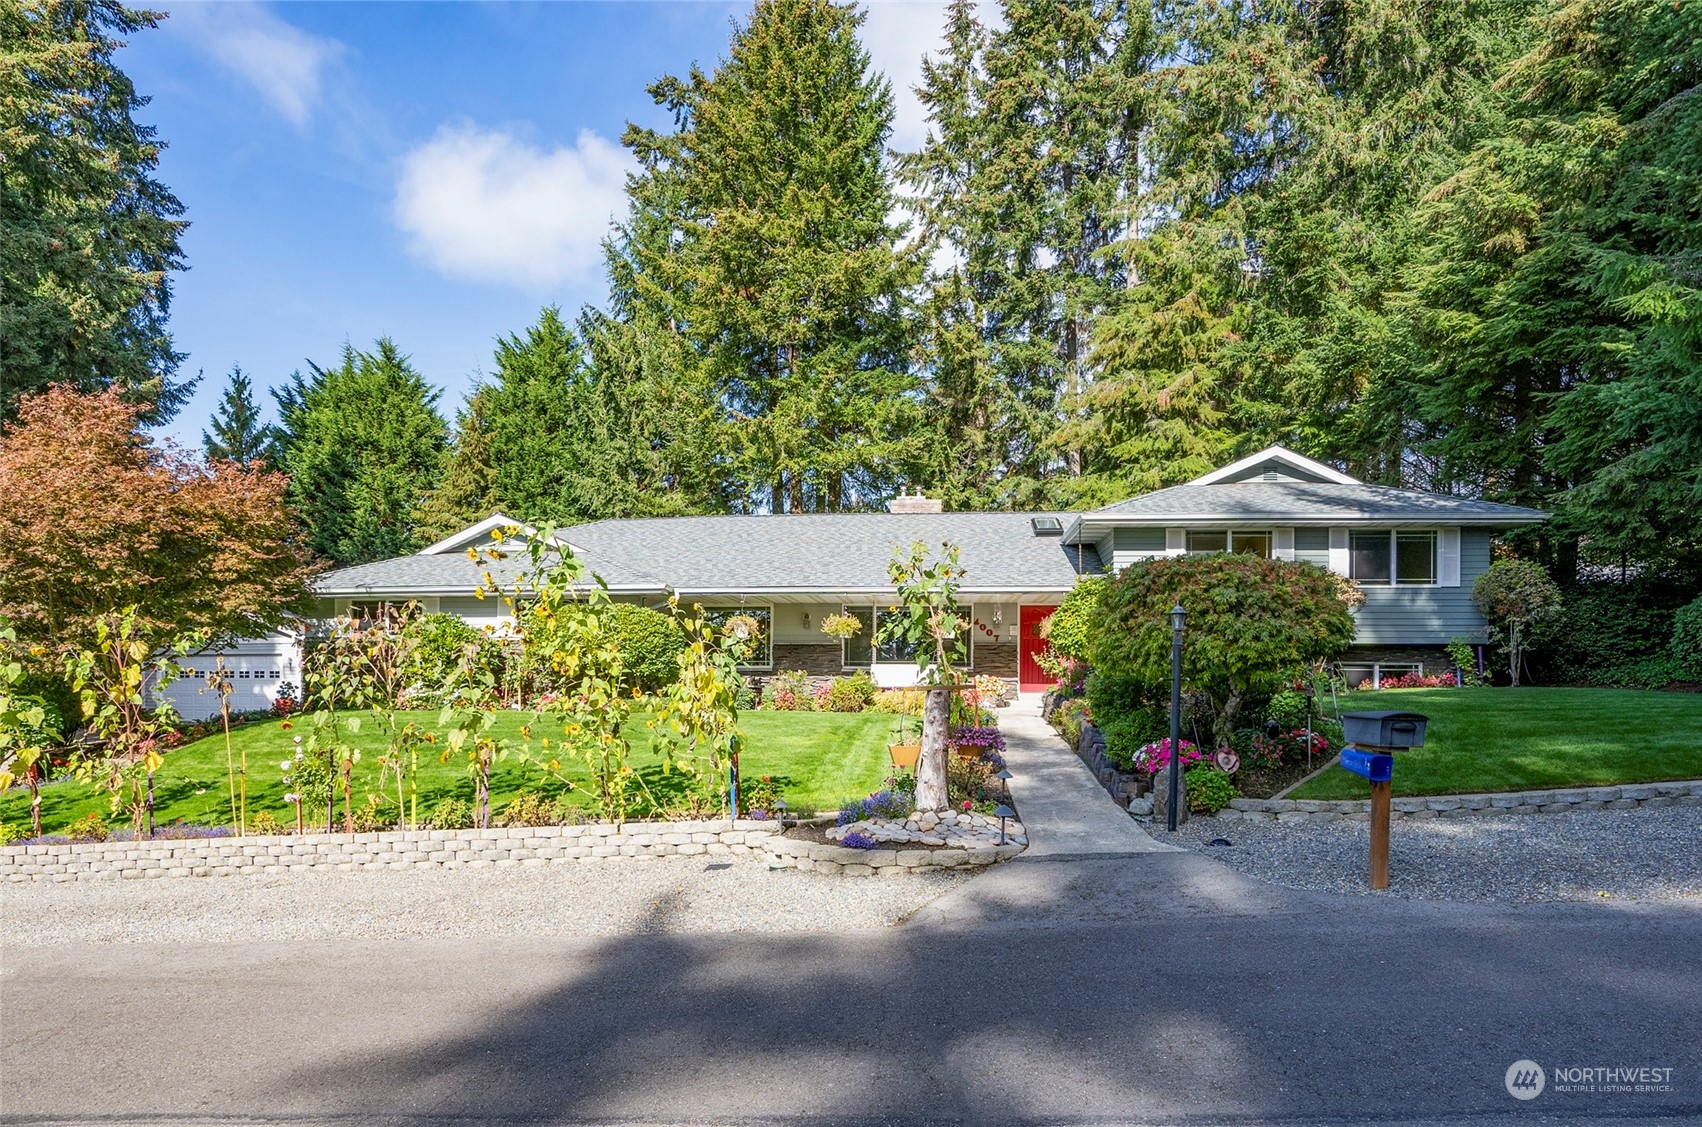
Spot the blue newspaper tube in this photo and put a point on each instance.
(1372, 765)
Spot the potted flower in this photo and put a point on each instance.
(905, 754)
(841, 626)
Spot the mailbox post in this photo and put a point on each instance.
(1388, 731)
(1379, 768)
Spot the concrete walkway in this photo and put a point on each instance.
(1064, 809)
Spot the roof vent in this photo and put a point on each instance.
(1047, 526)
(905, 503)
(1270, 477)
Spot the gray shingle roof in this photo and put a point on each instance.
(452, 573)
(834, 551)
(1314, 502)
(733, 554)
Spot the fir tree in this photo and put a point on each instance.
(786, 277)
(364, 446)
(238, 435)
(88, 236)
(467, 494)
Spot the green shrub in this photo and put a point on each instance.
(10, 833)
(651, 644)
(264, 823)
(899, 702)
(528, 809)
(373, 817)
(1288, 708)
(90, 827)
(851, 694)
(1686, 645)
(64, 707)
(1209, 789)
(1605, 630)
(452, 814)
(1127, 733)
(1069, 628)
(439, 644)
(1250, 620)
(1068, 717)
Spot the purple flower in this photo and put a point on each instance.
(857, 839)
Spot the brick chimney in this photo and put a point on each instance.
(905, 503)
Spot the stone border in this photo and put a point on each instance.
(814, 857)
(457, 849)
(440, 849)
(1628, 796)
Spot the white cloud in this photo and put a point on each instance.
(285, 64)
(491, 207)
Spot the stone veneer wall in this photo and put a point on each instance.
(1626, 797)
(454, 849)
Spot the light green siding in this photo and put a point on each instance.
(1427, 616)
(1312, 545)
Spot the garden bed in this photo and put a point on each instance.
(816, 758)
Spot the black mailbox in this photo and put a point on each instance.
(1383, 729)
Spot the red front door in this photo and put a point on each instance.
(1029, 677)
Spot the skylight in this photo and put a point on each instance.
(1047, 526)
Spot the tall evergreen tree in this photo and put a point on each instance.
(1032, 154)
(785, 274)
(467, 493)
(364, 446)
(88, 236)
(1557, 297)
(238, 435)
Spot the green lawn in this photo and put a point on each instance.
(820, 759)
(1531, 739)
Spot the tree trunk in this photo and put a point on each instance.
(931, 769)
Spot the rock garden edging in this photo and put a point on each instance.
(454, 849)
(1628, 796)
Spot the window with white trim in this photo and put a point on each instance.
(861, 649)
(1392, 558)
(762, 654)
(1248, 543)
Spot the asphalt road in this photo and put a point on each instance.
(1157, 987)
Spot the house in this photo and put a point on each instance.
(1415, 555)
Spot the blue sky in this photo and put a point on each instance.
(431, 172)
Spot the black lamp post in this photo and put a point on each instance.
(1178, 619)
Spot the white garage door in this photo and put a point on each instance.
(258, 666)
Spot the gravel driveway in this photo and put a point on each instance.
(1644, 854)
(630, 897)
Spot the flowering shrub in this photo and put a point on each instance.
(789, 692)
(986, 739)
(285, 703)
(1155, 757)
(889, 803)
(994, 691)
(1285, 747)
(821, 693)
(1416, 680)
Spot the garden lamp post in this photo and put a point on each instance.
(1178, 619)
(1002, 812)
(1004, 777)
